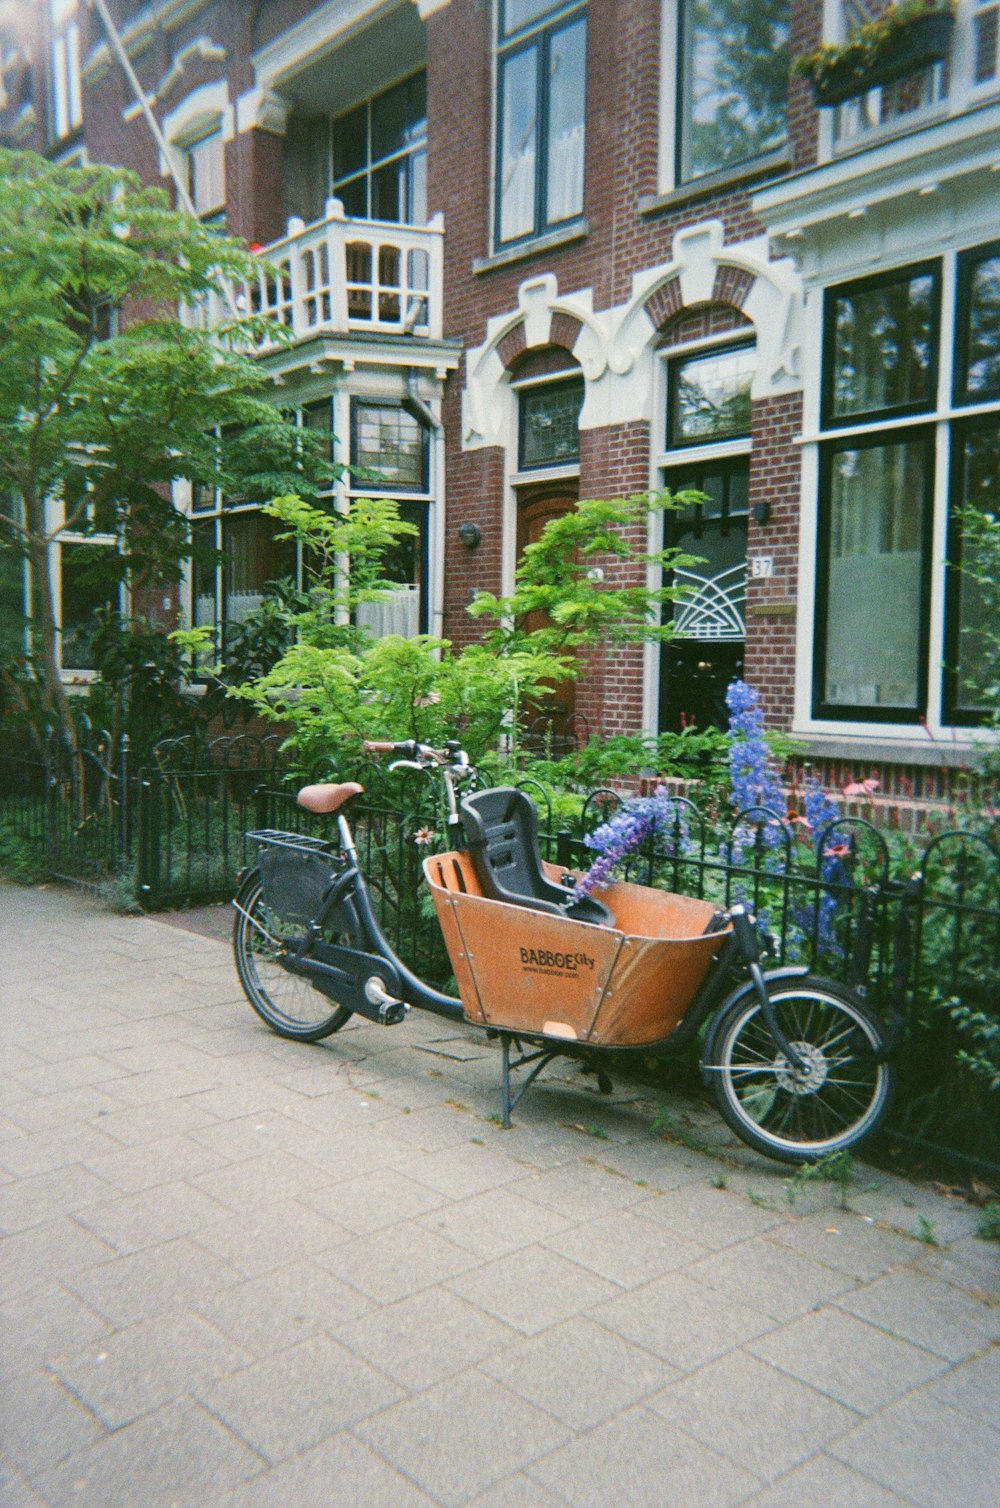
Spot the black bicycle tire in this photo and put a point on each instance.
(248, 899)
(743, 1015)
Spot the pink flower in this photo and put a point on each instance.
(837, 851)
(424, 837)
(861, 787)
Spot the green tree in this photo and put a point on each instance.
(106, 397)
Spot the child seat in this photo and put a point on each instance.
(501, 834)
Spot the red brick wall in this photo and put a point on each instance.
(774, 481)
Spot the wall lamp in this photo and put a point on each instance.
(469, 535)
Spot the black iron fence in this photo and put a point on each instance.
(172, 833)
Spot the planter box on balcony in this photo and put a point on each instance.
(923, 41)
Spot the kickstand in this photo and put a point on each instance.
(539, 1059)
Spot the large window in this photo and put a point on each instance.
(733, 87)
(541, 116)
(708, 395)
(380, 155)
(67, 99)
(390, 455)
(881, 493)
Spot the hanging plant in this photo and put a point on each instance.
(902, 40)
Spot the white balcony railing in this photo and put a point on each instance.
(968, 76)
(342, 276)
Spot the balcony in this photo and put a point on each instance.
(968, 76)
(342, 276)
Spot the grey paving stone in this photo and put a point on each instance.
(682, 1321)
(45, 1112)
(262, 1134)
(30, 1258)
(930, 1453)
(139, 1221)
(853, 1362)
(35, 1327)
(126, 1375)
(391, 1264)
(532, 1289)
(269, 1236)
(928, 1312)
(757, 1416)
(259, 1182)
(580, 1191)
(579, 1372)
(492, 1224)
(497, 1435)
(270, 1313)
(338, 1473)
(517, 1491)
(710, 1216)
(380, 1198)
(150, 1123)
(432, 1129)
(969, 1263)
(640, 1460)
(14, 1489)
(657, 1164)
(40, 1423)
(31, 1201)
(170, 1276)
(425, 1338)
(770, 1277)
(132, 1169)
(466, 1169)
(625, 1248)
(44, 1152)
(824, 1483)
(972, 1388)
(898, 1203)
(846, 1242)
(292, 1401)
(180, 1455)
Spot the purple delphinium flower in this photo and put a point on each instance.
(753, 777)
(625, 832)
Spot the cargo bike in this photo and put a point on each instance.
(799, 1064)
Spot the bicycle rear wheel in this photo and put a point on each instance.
(286, 1002)
(834, 1103)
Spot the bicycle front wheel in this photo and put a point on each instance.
(286, 1002)
(795, 1115)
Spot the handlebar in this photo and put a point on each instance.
(412, 752)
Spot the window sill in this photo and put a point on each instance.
(956, 753)
(744, 175)
(575, 231)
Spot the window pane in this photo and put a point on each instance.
(734, 90)
(87, 585)
(550, 424)
(982, 380)
(400, 611)
(710, 396)
(972, 606)
(253, 558)
(567, 93)
(398, 118)
(350, 142)
(389, 191)
(207, 173)
(203, 572)
(883, 347)
(518, 144)
(389, 441)
(518, 13)
(878, 499)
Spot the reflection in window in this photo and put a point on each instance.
(550, 424)
(977, 373)
(390, 442)
(709, 396)
(253, 558)
(880, 346)
(734, 61)
(205, 166)
(541, 83)
(380, 155)
(872, 602)
(976, 485)
(87, 585)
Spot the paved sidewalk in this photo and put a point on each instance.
(240, 1271)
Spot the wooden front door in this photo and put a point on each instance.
(533, 513)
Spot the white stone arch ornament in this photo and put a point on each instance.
(616, 348)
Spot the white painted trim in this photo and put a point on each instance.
(666, 171)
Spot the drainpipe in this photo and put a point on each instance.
(417, 405)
